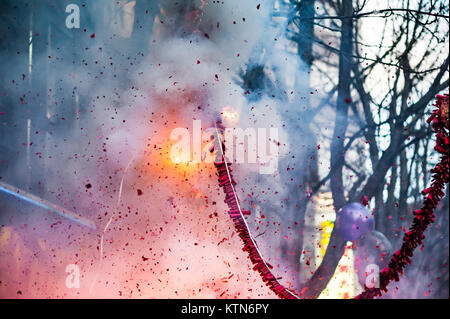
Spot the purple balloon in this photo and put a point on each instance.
(354, 220)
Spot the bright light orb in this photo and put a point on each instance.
(229, 114)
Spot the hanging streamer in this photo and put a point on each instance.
(237, 216)
(424, 216)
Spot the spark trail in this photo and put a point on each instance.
(35, 200)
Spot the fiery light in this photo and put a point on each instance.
(230, 114)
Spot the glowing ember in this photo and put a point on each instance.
(230, 115)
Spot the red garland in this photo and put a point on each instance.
(235, 212)
(424, 216)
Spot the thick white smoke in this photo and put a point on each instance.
(165, 233)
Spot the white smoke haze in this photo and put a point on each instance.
(174, 240)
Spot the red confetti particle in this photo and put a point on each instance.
(364, 200)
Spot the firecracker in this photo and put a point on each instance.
(424, 216)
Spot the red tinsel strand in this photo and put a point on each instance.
(237, 216)
(424, 216)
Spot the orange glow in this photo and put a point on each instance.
(230, 114)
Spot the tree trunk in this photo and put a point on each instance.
(336, 246)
